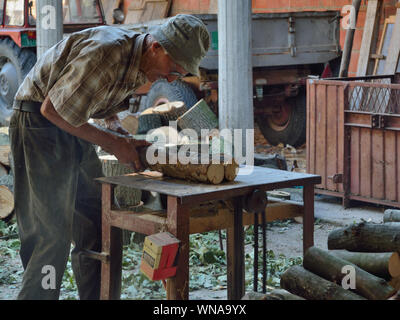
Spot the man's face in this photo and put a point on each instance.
(163, 67)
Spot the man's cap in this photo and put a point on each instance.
(186, 40)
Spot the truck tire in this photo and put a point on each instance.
(15, 63)
(291, 130)
(163, 91)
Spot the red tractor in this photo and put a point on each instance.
(18, 40)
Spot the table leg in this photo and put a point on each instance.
(112, 245)
(235, 254)
(178, 225)
(308, 219)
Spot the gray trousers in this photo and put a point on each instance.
(57, 203)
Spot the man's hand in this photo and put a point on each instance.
(126, 151)
(114, 124)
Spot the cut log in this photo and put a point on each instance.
(5, 152)
(366, 237)
(170, 111)
(125, 197)
(329, 267)
(391, 215)
(276, 294)
(381, 264)
(148, 122)
(130, 123)
(308, 285)
(194, 169)
(6, 202)
(198, 117)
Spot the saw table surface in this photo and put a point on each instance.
(260, 177)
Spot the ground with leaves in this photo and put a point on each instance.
(207, 263)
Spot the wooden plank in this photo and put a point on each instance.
(390, 165)
(178, 225)
(369, 38)
(394, 47)
(145, 10)
(378, 160)
(365, 162)
(311, 126)
(355, 154)
(201, 220)
(321, 126)
(332, 137)
(383, 45)
(111, 270)
(108, 7)
(341, 130)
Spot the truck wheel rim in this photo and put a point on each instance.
(280, 120)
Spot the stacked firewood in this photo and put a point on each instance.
(362, 263)
(6, 178)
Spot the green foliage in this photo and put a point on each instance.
(207, 263)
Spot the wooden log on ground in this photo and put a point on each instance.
(276, 294)
(308, 285)
(381, 264)
(366, 237)
(198, 117)
(329, 267)
(170, 111)
(6, 202)
(391, 215)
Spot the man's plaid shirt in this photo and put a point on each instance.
(90, 74)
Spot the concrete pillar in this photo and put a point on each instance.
(235, 84)
(49, 24)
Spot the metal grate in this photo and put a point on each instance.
(374, 99)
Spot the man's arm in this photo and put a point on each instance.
(123, 148)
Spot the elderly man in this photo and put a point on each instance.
(90, 74)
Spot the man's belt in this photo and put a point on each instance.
(27, 106)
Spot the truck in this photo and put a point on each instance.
(288, 48)
(18, 40)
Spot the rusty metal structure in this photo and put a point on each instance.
(353, 138)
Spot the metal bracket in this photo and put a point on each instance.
(378, 121)
(292, 36)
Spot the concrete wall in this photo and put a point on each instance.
(266, 6)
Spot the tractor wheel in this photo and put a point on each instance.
(15, 63)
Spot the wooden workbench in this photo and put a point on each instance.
(183, 197)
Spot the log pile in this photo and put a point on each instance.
(197, 167)
(6, 177)
(362, 262)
